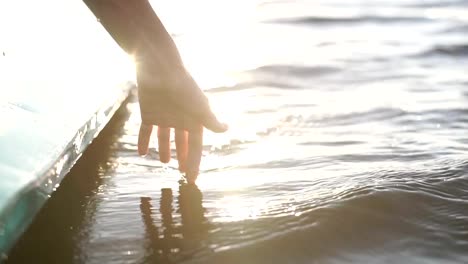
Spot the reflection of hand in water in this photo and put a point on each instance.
(177, 240)
(194, 223)
(152, 234)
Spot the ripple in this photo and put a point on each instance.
(341, 21)
(454, 50)
(358, 223)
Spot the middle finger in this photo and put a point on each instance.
(164, 144)
(181, 148)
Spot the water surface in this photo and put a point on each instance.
(348, 144)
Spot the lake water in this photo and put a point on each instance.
(348, 143)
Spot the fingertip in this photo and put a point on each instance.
(221, 128)
(224, 127)
(144, 138)
(191, 177)
(217, 126)
(164, 159)
(143, 152)
(195, 148)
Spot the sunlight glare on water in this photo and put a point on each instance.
(347, 141)
(211, 37)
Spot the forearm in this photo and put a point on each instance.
(137, 29)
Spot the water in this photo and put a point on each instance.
(348, 144)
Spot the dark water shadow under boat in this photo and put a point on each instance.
(51, 238)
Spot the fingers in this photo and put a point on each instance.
(144, 138)
(189, 147)
(181, 148)
(164, 144)
(195, 146)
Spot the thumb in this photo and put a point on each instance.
(191, 99)
(210, 121)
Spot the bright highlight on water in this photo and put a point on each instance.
(347, 143)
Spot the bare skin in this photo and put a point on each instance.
(168, 95)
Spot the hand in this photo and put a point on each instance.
(169, 97)
(175, 103)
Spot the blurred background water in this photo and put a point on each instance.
(348, 144)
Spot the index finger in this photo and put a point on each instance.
(195, 146)
(144, 138)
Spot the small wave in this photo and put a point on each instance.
(290, 163)
(376, 114)
(24, 107)
(292, 124)
(446, 50)
(453, 50)
(315, 20)
(252, 85)
(455, 29)
(338, 143)
(452, 117)
(438, 3)
(277, 76)
(296, 70)
(366, 224)
(384, 157)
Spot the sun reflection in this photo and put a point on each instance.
(211, 37)
(235, 208)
